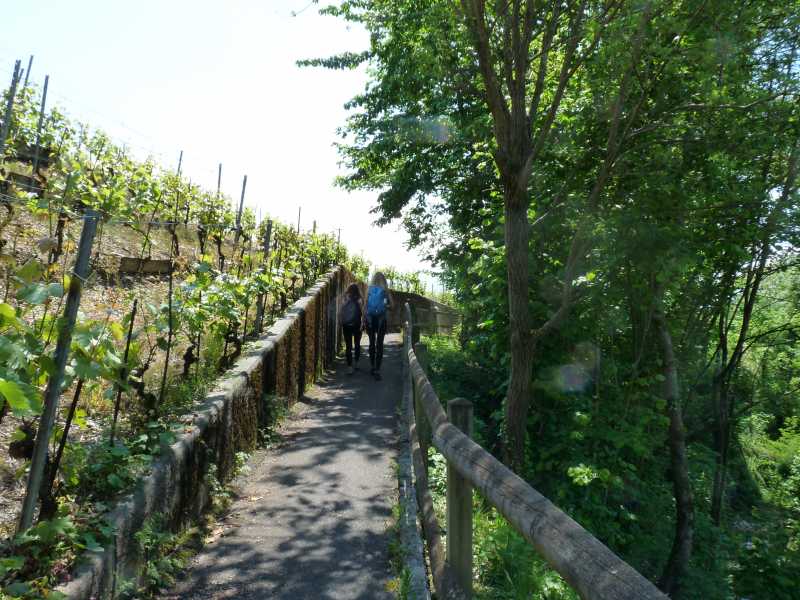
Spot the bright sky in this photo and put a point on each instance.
(217, 80)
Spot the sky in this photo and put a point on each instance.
(217, 80)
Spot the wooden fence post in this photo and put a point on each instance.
(459, 504)
(415, 329)
(423, 426)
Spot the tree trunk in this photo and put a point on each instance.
(522, 346)
(684, 506)
(722, 443)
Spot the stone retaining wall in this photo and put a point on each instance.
(275, 369)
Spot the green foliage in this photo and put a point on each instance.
(100, 472)
(401, 583)
(771, 550)
(220, 492)
(163, 556)
(270, 435)
(456, 374)
(508, 567)
(36, 560)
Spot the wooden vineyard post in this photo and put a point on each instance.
(267, 238)
(173, 228)
(262, 299)
(53, 390)
(9, 109)
(459, 504)
(299, 209)
(39, 126)
(221, 258)
(239, 213)
(28, 72)
(188, 205)
(249, 251)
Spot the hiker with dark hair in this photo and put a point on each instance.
(351, 316)
(378, 302)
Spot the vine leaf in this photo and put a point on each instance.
(20, 402)
(39, 293)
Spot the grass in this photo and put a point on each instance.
(401, 582)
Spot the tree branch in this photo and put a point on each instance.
(475, 12)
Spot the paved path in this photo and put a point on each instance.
(311, 519)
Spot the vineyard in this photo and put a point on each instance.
(125, 291)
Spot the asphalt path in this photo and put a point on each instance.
(311, 518)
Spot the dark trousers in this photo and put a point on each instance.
(376, 330)
(352, 337)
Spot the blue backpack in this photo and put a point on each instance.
(376, 301)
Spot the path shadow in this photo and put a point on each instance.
(312, 518)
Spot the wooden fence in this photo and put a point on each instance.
(585, 563)
(430, 317)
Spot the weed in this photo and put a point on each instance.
(400, 583)
(39, 559)
(240, 464)
(269, 435)
(164, 554)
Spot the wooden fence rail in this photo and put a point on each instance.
(585, 563)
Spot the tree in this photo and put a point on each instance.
(600, 169)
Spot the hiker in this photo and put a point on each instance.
(351, 315)
(378, 302)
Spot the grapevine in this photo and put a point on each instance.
(131, 373)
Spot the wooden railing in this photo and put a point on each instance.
(585, 563)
